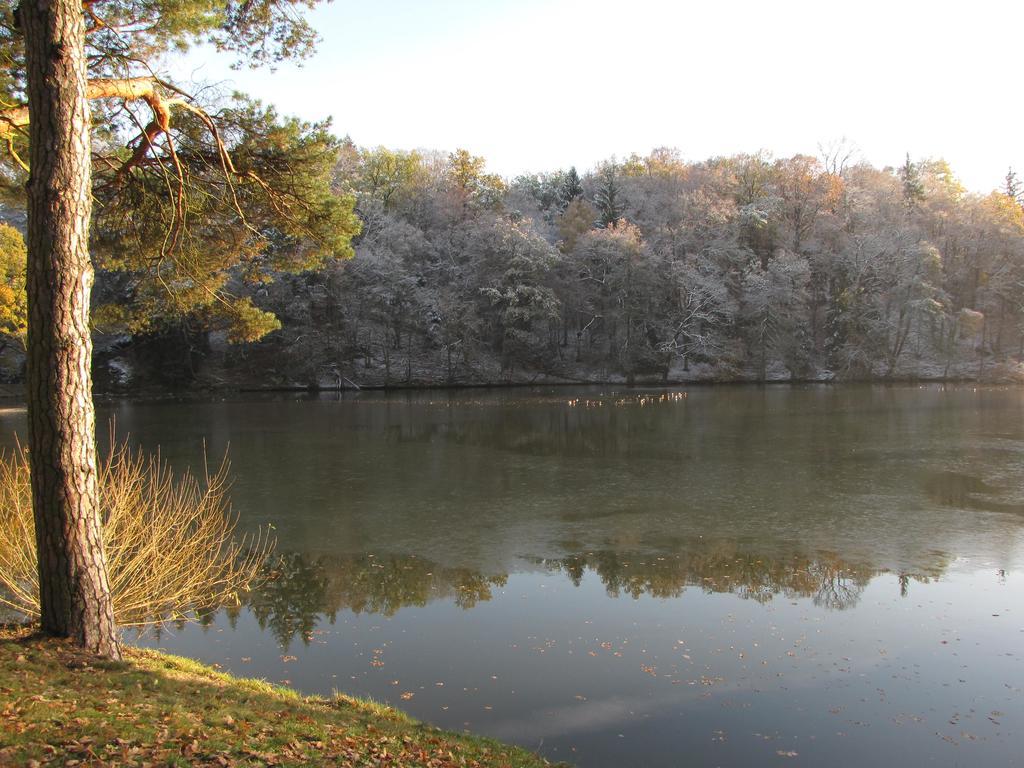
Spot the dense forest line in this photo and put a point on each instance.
(647, 269)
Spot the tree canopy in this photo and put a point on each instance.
(194, 196)
(187, 196)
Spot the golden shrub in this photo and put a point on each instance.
(170, 540)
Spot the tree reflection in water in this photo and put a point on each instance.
(300, 591)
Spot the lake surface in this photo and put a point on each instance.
(805, 575)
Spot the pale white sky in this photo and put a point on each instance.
(538, 85)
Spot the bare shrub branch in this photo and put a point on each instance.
(171, 549)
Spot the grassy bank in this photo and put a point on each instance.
(62, 707)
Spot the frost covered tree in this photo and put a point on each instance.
(910, 272)
(698, 306)
(523, 309)
(773, 311)
(886, 288)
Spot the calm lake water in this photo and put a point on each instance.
(708, 576)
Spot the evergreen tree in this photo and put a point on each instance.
(607, 199)
(254, 184)
(572, 188)
(236, 181)
(913, 188)
(1012, 186)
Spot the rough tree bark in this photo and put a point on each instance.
(73, 591)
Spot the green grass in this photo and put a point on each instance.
(59, 706)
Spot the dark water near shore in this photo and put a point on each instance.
(709, 576)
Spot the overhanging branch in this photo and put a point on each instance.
(147, 89)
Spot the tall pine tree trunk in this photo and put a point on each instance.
(74, 594)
